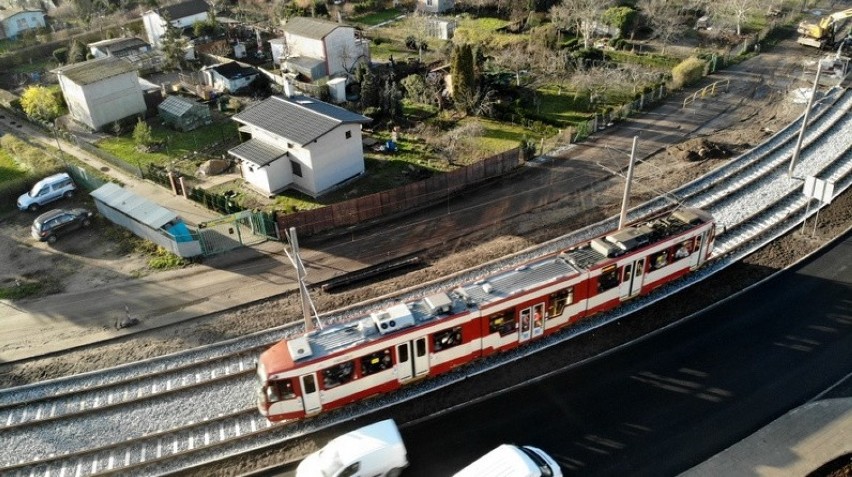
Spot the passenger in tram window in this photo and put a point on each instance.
(279, 390)
(537, 319)
(659, 260)
(684, 250)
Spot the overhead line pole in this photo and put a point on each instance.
(804, 121)
(624, 201)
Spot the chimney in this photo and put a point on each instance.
(288, 88)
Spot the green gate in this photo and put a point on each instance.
(236, 230)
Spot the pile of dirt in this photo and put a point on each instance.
(701, 149)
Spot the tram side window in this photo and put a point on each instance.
(659, 259)
(609, 278)
(375, 362)
(447, 339)
(683, 249)
(280, 390)
(502, 322)
(338, 374)
(559, 300)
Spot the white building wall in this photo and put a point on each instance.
(75, 98)
(114, 98)
(155, 26)
(21, 22)
(334, 158)
(337, 42)
(300, 46)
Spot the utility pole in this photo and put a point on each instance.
(624, 201)
(804, 121)
(296, 260)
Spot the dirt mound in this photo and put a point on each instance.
(700, 149)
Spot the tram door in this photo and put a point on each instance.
(531, 322)
(703, 244)
(412, 360)
(631, 278)
(310, 395)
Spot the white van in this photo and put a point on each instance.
(374, 450)
(47, 190)
(513, 461)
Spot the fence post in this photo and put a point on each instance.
(183, 187)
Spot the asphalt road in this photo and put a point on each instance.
(671, 401)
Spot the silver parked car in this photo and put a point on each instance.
(47, 190)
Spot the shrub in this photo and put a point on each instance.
(688, 71)
(165, 260)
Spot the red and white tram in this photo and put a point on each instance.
(329, 368)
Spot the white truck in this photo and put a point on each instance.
(374, 450)
(513, 461)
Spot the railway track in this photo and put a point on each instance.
(165, 414)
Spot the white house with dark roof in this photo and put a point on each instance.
(120, 47)
(17, 20)
(182, 15)
(102, 91)
(229, 77)
(299, 142)
(316, 48)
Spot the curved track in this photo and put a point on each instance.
(203, 399)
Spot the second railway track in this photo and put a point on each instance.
(170, 388)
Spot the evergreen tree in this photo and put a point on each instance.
(463, 76)
(76, 52)
(391, 100)
(369, 91)
(173, 45)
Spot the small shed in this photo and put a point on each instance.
(184, 114)
(146, 219)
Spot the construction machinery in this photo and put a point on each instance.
(822, 34)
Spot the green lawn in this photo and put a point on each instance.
(498, 137)
(9, 169)
(372, 19)
(182, 149)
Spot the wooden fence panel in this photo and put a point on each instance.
(400, 199)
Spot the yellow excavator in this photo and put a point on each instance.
(822, 34)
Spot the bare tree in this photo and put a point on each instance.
(581, 16)
(736, 11)
(418, 26)
(665, 18)
(514, 58)
(594, 82)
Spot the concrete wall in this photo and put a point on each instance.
(114, 98)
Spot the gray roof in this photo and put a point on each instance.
(95, 70)
(138, 208)
(300, 119)
(257, 152)
(176, 105)
(311, 27)
(118, 44)
(184, 9)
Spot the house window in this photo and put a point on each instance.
(297, 168)
(348, 134)
(289, 145)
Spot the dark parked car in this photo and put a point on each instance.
(48, 226)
